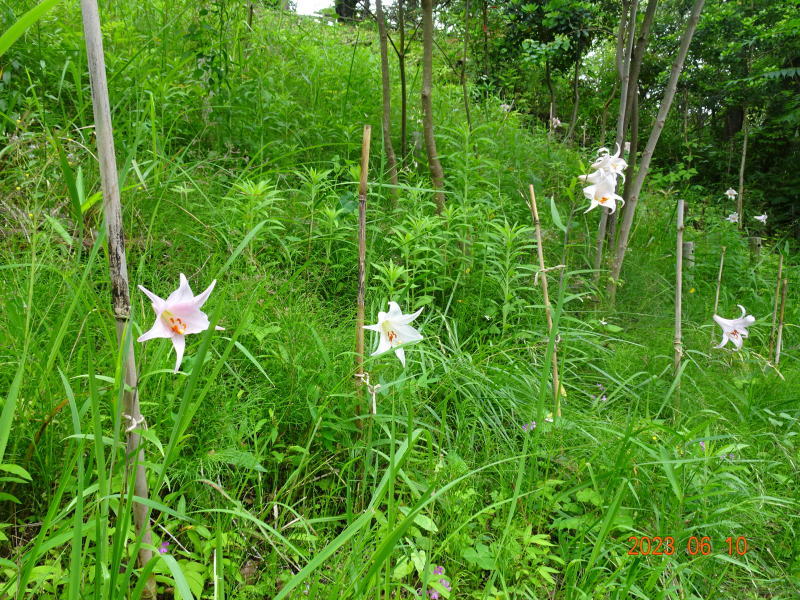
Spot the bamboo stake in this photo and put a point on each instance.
(547, 307)
(118, 270)
(678, 343)
(779, 341)
(775, 306)
(362, 265)
(719, 285)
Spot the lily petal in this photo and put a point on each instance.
(407, 334)
(157, 301)
(384, 345)
(401, 354)
(179, 343)
(158, 330)
(201, 299)
(406, 319)
(182, 294)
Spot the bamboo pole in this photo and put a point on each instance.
(775, 306)
(719, 284)
(118, 270)
(362, 265)
(678, 343)
(547, 306)
(779, 341)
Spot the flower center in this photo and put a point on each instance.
(734, 333)
(390, 333)
(603, 200)
(176, 324)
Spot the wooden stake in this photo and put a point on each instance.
(547, 307)
(678, 343)
(118, 270)
(779, 341)
(775, 306)
(362, 265)
(719, 284)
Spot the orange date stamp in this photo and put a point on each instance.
(657, 545)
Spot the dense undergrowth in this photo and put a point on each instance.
(241, 167)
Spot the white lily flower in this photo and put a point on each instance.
(611, 163)
(178, 316)
(603, 193)
(556, 122)
(731, 193)
(734, 330)
(733, 217)
(761, 218)
(627, 147)
(505, 107)
(395, 331)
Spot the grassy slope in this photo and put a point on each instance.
(273, 427)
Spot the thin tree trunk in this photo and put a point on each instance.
(437, 175)
(117, 263)
(740, 197)
(647, 155)
(631, 157)
(464, 65)
(604, 114)
(401, 63)
(362, 266)
(638, 57)
(623, 60)
(624, 107)
(573, 120)
(386, 121)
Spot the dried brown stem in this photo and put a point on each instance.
(548, 309)
(118, 270)
(362, 263)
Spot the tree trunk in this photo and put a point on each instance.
(623, 60)
(437, 175)
(740, 197)
(549, 81)
(573, 120)
(401, 64)
(647, 155)
(638, 57)
(464, 64)
(386, 121)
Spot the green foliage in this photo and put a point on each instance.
(238, 152)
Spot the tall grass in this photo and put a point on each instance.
(238, 153)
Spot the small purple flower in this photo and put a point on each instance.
(731, 456)
(433, 594)
(440, 569)
(702, 445)
(164, 548)
(445, 584)
(601, 387)
(527, 427)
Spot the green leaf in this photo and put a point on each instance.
(589, 496)
(14, 32)
(556, 216)
(16, 470)
(59, 229)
